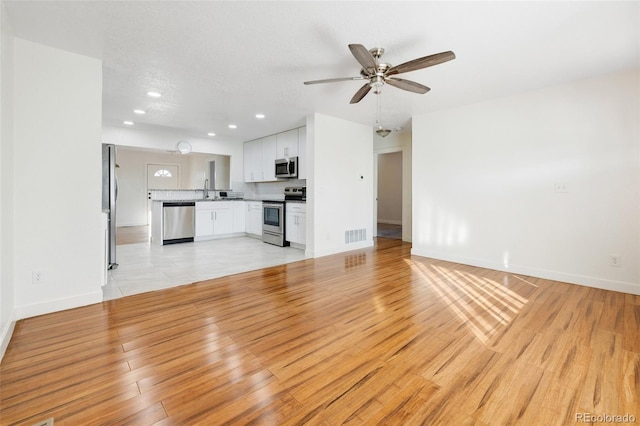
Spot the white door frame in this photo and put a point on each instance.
(376, 154)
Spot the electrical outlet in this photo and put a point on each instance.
(36, 277)
(615, 260)
(561, 187)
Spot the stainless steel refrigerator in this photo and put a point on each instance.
(109, 197)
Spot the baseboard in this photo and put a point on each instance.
(6, 337)
(583, 280)
(340, 249)
(35, 309)
(298, 246)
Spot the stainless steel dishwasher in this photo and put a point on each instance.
(178, 222)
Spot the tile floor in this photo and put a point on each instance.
(145, 267)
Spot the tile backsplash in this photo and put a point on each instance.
(253, 191)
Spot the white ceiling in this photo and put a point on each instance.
(221, 62)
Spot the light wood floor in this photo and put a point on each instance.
(374, 336)
(132, 234)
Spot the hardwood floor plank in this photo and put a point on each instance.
(631, 336)
(373, 336)
(606, 372)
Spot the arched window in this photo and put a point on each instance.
(162, 173)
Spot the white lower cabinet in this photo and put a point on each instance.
(296, 223)
(223, 218)
(213, 219)
(253, 219)
(238, 216)
(204, 222)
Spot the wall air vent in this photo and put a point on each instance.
(355, 235)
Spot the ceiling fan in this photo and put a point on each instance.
(378, 73)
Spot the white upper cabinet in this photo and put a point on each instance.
(260, 155)
(269, 158)
(253, 161)
(287, 144)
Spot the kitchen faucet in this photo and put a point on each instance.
(206, 189)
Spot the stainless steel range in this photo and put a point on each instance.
(273, 216)
(273, 230)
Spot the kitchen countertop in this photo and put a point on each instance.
(200, 200)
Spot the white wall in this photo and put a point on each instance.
(57, 186)
(488, 172)
(390, 188)
(7, 311)
(339, 184)
(400, 142)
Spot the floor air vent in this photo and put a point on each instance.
(355, 235)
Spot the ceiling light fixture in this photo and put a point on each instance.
(183, 147)
(139, 111)
(211, 134)
(154, 94)
(376, 84)
(233, 126)
(128, 123)
(259, 115)
(380, 131)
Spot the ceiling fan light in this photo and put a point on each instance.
(376, 84)
(383, 132)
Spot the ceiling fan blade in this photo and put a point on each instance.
(333, 80)
(411, 86)
(360, 94)
(417, 64)
(362, 55)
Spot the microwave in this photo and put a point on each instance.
(287, 167)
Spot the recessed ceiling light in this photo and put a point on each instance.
(139, 111)
(211, 134)
(154, 94)
(128, 123)
(259, 115)
(233, 126)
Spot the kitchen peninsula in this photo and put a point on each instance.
(208, 219)
(219, 218)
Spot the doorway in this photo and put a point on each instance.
(161, 176)
(389, 195)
